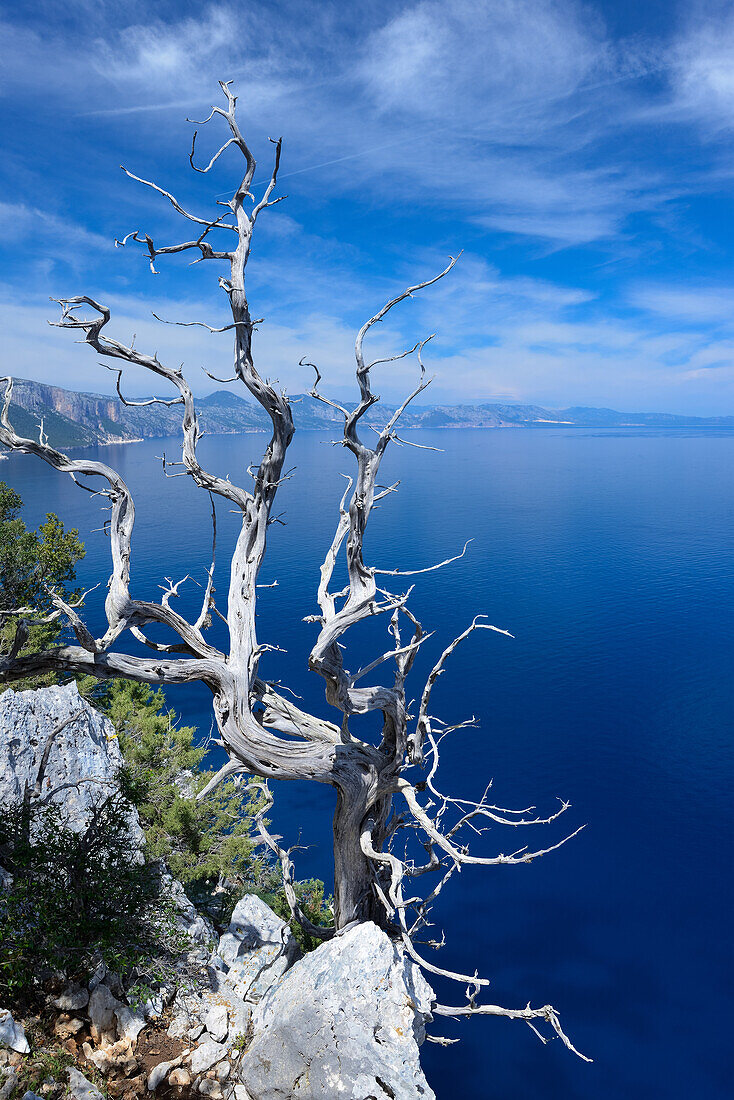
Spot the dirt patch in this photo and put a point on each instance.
(155, 1046)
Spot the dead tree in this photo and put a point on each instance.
(264, 732)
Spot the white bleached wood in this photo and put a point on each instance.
(377, 782)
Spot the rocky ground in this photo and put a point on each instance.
(245, 1018)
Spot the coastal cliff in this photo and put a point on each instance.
(240, 1014)
(74, 419)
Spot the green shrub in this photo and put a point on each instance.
(31, 562)
(75, 895)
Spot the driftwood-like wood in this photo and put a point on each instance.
(264, 732)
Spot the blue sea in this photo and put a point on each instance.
(609, 556)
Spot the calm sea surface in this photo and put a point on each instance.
(609, 555)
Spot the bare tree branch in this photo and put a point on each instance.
(264, 732)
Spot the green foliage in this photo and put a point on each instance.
(311, 898)
(73, 896)
(31, 563)
(206, 844)
(43, 1065)
(73, 893)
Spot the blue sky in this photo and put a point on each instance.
(580, 154)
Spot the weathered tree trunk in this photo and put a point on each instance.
(264, 732)
(354, 873)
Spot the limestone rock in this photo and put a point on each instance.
(206, 1055)
(102, 1009)
(211, 1089)
(259, 946)
(85, 748)
(180, 1077)
(129, 1023)
(73, 998)
(216, 1022)
(66, 1026)
(9, 1081)
(112, 1056)
(160, 1072)
(254, 923)
(346, 1021)
(188, 918)
(12, 1034)
(80, 1088)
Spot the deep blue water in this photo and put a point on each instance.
(609, 557)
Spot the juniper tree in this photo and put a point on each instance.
(384, 785)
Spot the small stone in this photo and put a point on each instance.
(12, 1034)
(8, 1086)
(81, 1088)
(159, 1073)
(216, 1022)
(223, 1070)
(210, 1088)
(30, 1096)
(194, 1032)
(207, 1055)
(180, 1077)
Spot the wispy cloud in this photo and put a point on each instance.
(571, 160)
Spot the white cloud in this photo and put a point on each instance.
(22, 223)
(695, 304)
(702, 69)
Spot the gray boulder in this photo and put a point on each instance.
(102, 1009)
(258, 948)
(207, 1055)
(85, 748)
(346, 1021)
(82, 1089)
(74, 997)
(9, 1079)
(198, 927)
(12, 1034)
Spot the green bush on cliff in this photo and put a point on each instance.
(74, 893)
(31, 564)
(207, 844)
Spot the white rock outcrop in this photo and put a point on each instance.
(84, 749)
(347, 1021)
(257, 949)
(12, 1033)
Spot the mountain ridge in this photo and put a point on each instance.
(78, 418)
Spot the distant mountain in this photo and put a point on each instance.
(80, 419)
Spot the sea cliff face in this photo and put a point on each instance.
(241, 1016)
(72, 419)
